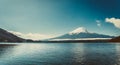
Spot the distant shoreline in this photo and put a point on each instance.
(65, 41)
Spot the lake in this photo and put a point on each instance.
(60, 54)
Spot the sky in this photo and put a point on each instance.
(57, 17)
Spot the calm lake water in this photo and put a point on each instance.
(60, 54)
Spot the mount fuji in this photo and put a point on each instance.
(83, 34)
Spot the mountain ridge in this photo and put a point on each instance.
(6, 36)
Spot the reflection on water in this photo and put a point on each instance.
(100, 54)
(60, 54)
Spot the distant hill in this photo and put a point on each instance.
(6, 36)
(82, 33)
(117, 39)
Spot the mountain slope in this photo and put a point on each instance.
(117, 39)
(9, 37)
(82, 33)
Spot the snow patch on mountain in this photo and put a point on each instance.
(79, 30)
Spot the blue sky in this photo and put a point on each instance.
(57, 17)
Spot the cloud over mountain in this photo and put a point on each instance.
(33, 36)
(114, 21)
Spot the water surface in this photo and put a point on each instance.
(60, 54)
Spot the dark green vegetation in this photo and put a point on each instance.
(117, 39)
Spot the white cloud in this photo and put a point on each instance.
(114, 21)
(33, 36)
(98, 23)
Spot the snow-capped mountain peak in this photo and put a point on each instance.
(79, 30)
(82, 33)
